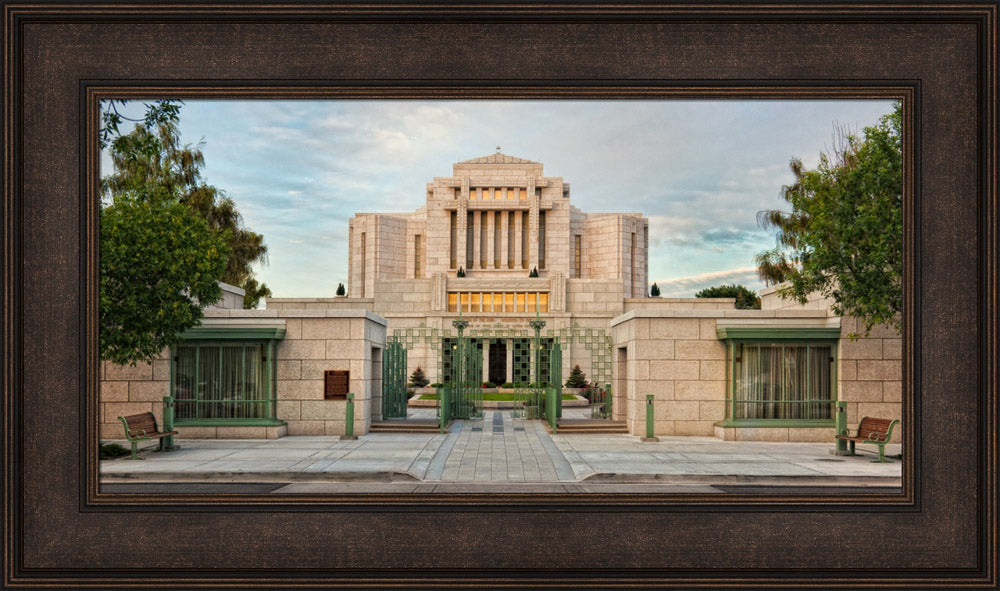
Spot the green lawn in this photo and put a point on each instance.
(497, 397)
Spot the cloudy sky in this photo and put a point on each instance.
(699, 170)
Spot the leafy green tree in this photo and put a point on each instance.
(576, 379)
(153, 158)
(654, 292)
(156, 112)
(340, 289)
(418, 379)
(159, 264)
(843, 237)
(745, 298)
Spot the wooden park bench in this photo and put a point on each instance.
(872, 430)
(142, 427)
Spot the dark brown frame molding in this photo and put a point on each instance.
(60, 59)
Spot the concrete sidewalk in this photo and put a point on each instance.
(500, 451)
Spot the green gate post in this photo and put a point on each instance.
(394, 394)
(167, 443)
(551, 412)
(555, 375)
(444, 406)
(349, 419)
(841, 427)
(649, 420)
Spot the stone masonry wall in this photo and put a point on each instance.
(679, 359)
(314, 344)
(592, 296)
(601, 248)
(128, 390)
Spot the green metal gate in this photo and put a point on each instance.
(394, 392)
(465, 392)
(598, 343)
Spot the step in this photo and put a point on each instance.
(593, 426)
(405, 427)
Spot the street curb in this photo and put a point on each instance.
(137, 477)
(406, 477)
(734, 479)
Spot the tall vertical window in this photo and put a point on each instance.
(474, 194)
(524, 239)
(510, 239)
(577, 261)
(541, 239)
(453, 240)
(222, 381)
(482, 238)
(416, 256)
(496, 239)
(469, 237)
(363, 263)
(635, 268)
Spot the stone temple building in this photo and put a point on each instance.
(499, 220)
(499, 244)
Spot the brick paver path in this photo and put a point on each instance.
(499, 448)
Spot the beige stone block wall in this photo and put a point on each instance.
(771, 300)
(870, 375)
(601, 247)
(680, 304)
(669, 359)
(128, 390)
(593, 296)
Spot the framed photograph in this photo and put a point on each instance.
(63, 63)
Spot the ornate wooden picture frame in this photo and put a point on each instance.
(61, 59)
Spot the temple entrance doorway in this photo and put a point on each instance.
(498, 361)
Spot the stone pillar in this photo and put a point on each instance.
(533, 232)
(460, 232)
(510, 360)
(486, 360)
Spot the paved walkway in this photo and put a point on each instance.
(501, 451)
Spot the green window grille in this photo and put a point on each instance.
(781, 383)
(227, 381)
(521, 359)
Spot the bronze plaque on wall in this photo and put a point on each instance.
(335, 384)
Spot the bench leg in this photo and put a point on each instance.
(881, 454)
(851, 449)
(135, 452)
